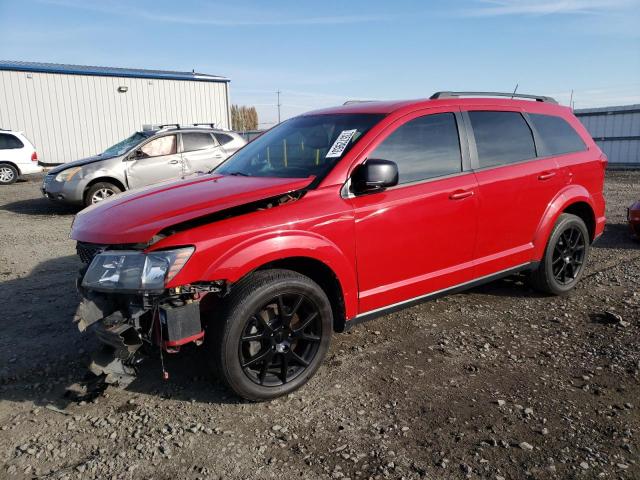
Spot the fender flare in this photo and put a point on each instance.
(567, 196)
(258, 251)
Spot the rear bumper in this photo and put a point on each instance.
(30, 168)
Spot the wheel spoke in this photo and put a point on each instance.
(254, 337)
(298, 359)
(281, 311)
(296, 306)
(265, 367)
(284, 367)
(300, 330)
(259, 357)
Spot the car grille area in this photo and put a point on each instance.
(86, 251)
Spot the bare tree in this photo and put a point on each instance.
(244, 118)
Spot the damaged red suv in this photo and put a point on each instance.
(334, 217)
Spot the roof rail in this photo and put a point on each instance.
(212, 125)
(166, 125)
(351, 102)
(537, 98)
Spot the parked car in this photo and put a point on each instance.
(336, 217)
(18, 157)
(633, 216)
(144, 158)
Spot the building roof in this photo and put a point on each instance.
(617, 110)
(108, 71)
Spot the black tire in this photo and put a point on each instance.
(254, 369)
(107, 189)
(8, 174)
(564, 258)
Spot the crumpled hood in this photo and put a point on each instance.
(136, 216)
(78, 163)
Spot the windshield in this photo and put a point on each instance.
(125, 145)
(300, 147)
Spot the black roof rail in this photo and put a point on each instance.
(176, 125)
(212, 125)
(537, 98)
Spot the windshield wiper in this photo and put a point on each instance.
(239, 174)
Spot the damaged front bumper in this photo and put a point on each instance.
(131, 327)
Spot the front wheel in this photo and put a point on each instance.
(564, 258)
(273, 335)
(100, 191)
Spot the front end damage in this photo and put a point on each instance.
(132, 326)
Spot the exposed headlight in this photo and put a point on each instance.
(132, 271)
(66, 175)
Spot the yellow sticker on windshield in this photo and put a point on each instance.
(341, 143)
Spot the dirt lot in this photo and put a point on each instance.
(495, 383)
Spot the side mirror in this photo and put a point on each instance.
(374, 175)
(136, 155)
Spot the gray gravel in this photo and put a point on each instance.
(496, 383)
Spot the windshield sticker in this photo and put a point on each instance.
(341, 143)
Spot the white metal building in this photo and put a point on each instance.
(74, 111)
(617, 131)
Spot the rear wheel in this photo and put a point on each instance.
(100, 191)
(565, 256)
(8, 174)
(275, 331)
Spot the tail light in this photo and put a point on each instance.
(34, 157)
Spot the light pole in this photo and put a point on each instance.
(279, 105)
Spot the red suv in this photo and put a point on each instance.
(334, 217)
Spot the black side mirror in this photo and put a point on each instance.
(137, 154)
(374, 175)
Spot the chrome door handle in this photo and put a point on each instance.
(460, 194)
(546, 175)
(173, 162)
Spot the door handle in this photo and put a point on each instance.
(173, 162)
(460, 194)
(217, 156)
(546, 175)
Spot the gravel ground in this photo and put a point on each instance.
(497, 383)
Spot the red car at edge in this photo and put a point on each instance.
(335, 217)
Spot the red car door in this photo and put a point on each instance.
(419, 236)
(515, 187)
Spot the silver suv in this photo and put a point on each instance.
(168, 152)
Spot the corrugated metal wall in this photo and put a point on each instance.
(74, 116)
(617, 131)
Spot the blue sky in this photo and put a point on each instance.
(324, 52)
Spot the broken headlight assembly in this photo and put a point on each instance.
(133, 272)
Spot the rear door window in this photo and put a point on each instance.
(557, 135)
(501, 138)
(197, 141)
(8, 142)
(423, 148)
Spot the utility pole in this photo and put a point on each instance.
(279, 105)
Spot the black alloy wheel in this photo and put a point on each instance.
(280, 340)
(270, 335)
(565, 256)
(568, 255)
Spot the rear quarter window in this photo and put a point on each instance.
(558, 137)
(8, 142)
(223, 138)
